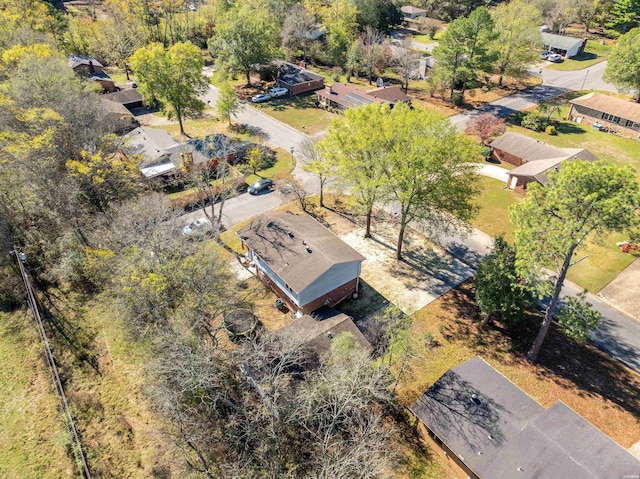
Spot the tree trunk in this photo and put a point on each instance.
(321, 193)
(403, 226)
(532, 355)
(247, 74)
(179, 115)
(500, 81)
(367, 232)
(126, 70)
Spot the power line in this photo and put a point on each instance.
(33, 304)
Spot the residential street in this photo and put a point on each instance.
(554, 83)
(618, 335)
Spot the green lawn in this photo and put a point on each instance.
(594, 53)
(284, 163)
(494, 202)
(299, 112)
(207, 125)
(426, 39)
(604, 259)
(605, 146)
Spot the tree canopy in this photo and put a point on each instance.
(172, 77)
(623, 67)
(579, 201)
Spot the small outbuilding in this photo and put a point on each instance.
(317, 330)
(568, 47)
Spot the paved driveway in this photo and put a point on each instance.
(622, 292)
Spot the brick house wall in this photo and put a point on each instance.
(521, 184)
(331, 298)
(500, 155)
(589, 116)
(303, 87)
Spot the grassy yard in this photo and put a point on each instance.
(284, 163)
(207, 125)
(605, 146)
(299, 112)
(597, 387)
(595, 52)
(33, 435)
(494, 202)
(604, 260)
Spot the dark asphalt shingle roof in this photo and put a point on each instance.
(75, 61)
(151, 143)
(526, 148)
(503, 429)
(318, 329)
(125, 97)
(292, 74)
(278, 239)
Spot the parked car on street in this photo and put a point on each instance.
(260, 185)
(278, 92)
(197, 229)
(555, 58)
(262, 97)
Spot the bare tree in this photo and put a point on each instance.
(374, 49)
(291, 188)
(297, 31)
(405, 59)
(316, 165)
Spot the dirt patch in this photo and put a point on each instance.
(425, 274)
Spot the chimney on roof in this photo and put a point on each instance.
(308, 250)
(91, 67)
(331, 88)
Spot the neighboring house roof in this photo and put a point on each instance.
(75, 61)
(500, 432)
(390, 94)
(113, 106)
(349, 95)
(411, 10)
(538, 169)
(628, 110)
(318, 329)
(526, 148)
(203, 150)
(560, 41)
(296, 247)
(101, 76)
(125, 97)
(292, 74)
(148, 142)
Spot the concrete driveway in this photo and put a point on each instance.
(622, 292)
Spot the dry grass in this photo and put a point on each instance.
(597, 387)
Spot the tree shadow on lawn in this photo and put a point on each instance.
(368, 302)
(585, 56)
(566, 128)
(573, 365)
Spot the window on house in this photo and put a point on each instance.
(612, 118)
(632, 124)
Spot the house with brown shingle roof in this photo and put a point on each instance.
(607, 112)
(533, 158)
(341, 96)
(305, 264)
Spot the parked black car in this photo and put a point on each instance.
(260, 185)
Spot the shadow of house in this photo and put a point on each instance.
(301, 261)
(605, 112)
(490, 429)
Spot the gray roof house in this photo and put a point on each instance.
(303, 262)
(490, 429)
(318, 329)
(533, 158)
(566, 46)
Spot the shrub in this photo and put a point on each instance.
(550, 130)
(534, 122)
